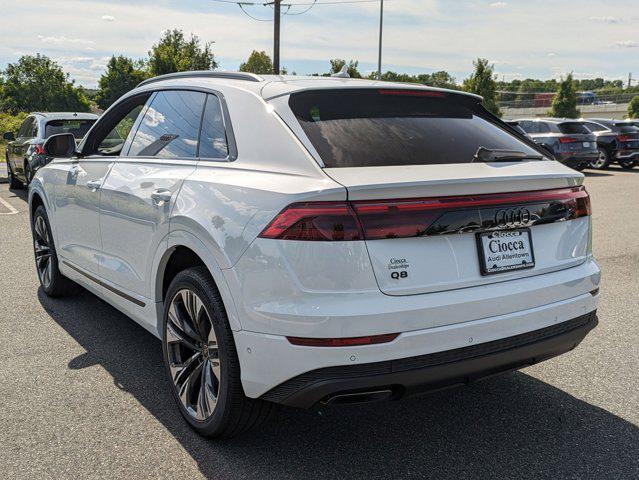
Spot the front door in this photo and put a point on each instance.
(79, 183)
(142, 186)
(18, 148)
(77, 209)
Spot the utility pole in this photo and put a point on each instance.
(630, 80)
(381, 28)
(276, 36)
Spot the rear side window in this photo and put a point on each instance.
(595, 127)
(369, 127)
(573, 128)
(213, 137)
(78, 128)
(170, 126)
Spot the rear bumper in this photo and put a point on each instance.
(578, 160)
(634, 156)
(404, 377)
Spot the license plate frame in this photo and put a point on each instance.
(511, 234)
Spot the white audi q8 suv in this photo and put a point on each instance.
(311, 240)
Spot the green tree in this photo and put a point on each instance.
(38, 83)
(482, 82)
(174, 53)
(564, 105)
(351, 67)
(439, 79)
(120, 77)
(258, 62)
(633, 107)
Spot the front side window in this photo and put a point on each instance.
(78, 128)
(213, 137)
(113, 142)
(170, 126)
(371, 127)
(26, 127)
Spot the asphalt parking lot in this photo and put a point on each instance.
(83, 392)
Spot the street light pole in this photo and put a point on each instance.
(276, 37)
(381, 28)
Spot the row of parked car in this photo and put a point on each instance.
(585, 143)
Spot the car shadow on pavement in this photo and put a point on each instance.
(511, 426)
(20, 193)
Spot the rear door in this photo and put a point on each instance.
(141, 188)
(407, 161)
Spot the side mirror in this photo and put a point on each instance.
(9, 136)
(61, 145)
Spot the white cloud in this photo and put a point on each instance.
(610, 20)
(420, 35)
(108, 18)
(62, 39)
(625, 44)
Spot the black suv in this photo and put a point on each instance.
(568, 140)
(24, 152)
(617, 141)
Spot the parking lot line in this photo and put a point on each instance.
(12, 211)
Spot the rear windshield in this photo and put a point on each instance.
(365, 128)
(78, 128)
(573, 128)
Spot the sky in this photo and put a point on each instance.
(523, 39)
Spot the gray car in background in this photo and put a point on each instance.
(568, 140)
(24, 152)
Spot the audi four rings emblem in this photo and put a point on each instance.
(512, 217)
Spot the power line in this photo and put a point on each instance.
(277, 5)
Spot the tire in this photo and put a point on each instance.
(28, 173)
(14, 183)
(53, 283)
(627, 165)
(602, 162)
(201, 361)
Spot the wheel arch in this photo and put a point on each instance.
(183, 249)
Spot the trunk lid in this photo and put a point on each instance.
(448, 256)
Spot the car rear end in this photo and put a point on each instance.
(576, 146)
(434, 270)
(626, 151)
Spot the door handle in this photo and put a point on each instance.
(161, 195)
(94, 184)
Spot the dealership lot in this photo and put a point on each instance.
(84, 393)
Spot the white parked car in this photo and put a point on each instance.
(301, 240)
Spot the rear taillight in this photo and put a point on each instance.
(569, 140)
(625, 138)
(38, 149)
(380, 219)
(319, 221)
